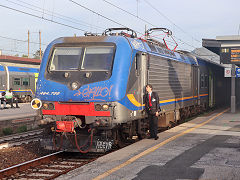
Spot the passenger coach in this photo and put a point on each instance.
(21, 79)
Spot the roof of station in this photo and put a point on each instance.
(214, 45)
(19, 60)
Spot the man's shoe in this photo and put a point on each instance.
(150, 137)
(5, 108)
(156, 138)
(17, 107)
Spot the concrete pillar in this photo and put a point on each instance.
(233, 97)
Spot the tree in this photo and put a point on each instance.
(36, 55)
(24, 55)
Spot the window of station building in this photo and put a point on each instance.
(16, 81)
(25, 81)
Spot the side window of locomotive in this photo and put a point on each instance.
(137, 64)
(16, 81)
(98, 58)
(202, 81)
(25, 81)
(206, 80)
(65, 58)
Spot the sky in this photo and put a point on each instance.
(189, 20)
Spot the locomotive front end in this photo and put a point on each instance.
(78, 89)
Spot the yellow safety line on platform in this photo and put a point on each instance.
(154, 148)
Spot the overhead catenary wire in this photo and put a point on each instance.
(97, 13)
(8, 50)
(30, 14)
(170, 20)
(105, 17)
(46, 19)
(54, 14)
(136, 16)
(20, 40)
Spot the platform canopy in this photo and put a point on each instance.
(228, 47)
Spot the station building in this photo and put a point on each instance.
(19, 61)
(228, 48)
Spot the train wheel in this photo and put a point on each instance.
(118, 138)
(142, 128)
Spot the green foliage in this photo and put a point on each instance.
(36, 55)
(7, 131)
(24, 55)
(22, 129)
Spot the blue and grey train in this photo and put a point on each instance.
(21, 79)
(91, 89)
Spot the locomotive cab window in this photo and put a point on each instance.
(66, 58)
(83, 63)
(97, 58)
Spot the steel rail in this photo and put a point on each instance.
(26, 165)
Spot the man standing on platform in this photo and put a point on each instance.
(152, 108)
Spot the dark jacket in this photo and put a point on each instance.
(154, 101)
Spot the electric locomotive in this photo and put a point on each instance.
(92, 88)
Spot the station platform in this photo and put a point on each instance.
(24, 111)
(207, 147)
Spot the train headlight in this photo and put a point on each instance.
(45, 106)
(98, 107)
(105, 107)
(74, 85)
(48, 106)
(51, 106)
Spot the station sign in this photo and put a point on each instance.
(227, 72)
(230, 55)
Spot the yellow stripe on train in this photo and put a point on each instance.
(133, 100)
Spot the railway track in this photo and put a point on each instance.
(19, 139)
(48, 167)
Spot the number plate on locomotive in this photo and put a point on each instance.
(106, 145)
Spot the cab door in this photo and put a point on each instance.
(211, 90)
(195, 84)
(142, 78)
